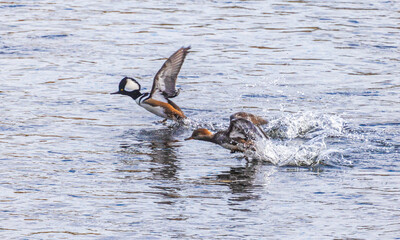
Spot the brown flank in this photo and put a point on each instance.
(169, 108)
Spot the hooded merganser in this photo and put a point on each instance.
(157, 101)
(244, 129)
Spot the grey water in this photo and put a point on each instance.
(79, 163)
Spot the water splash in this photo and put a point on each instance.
(300, 140)
(193, 123)
(305, 125)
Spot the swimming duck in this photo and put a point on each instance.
(158, 100)
(244, 129)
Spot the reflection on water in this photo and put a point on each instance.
(241, 180)
(160, 146)
(79, 162)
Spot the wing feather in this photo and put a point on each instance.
(165, 79)
(245, 129)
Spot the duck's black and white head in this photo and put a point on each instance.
(129, 86)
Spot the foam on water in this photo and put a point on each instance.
(305, 125)
(300, 140)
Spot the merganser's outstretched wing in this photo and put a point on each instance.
(245, 130)
(165, 79)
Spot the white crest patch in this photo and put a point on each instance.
(131, 85)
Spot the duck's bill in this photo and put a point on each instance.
(190, 138)
(116, 92)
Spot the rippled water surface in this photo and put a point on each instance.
(77, 162)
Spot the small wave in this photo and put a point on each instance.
(54, 36)
(13, 6)
(355, 93)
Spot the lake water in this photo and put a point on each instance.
(77, 162)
